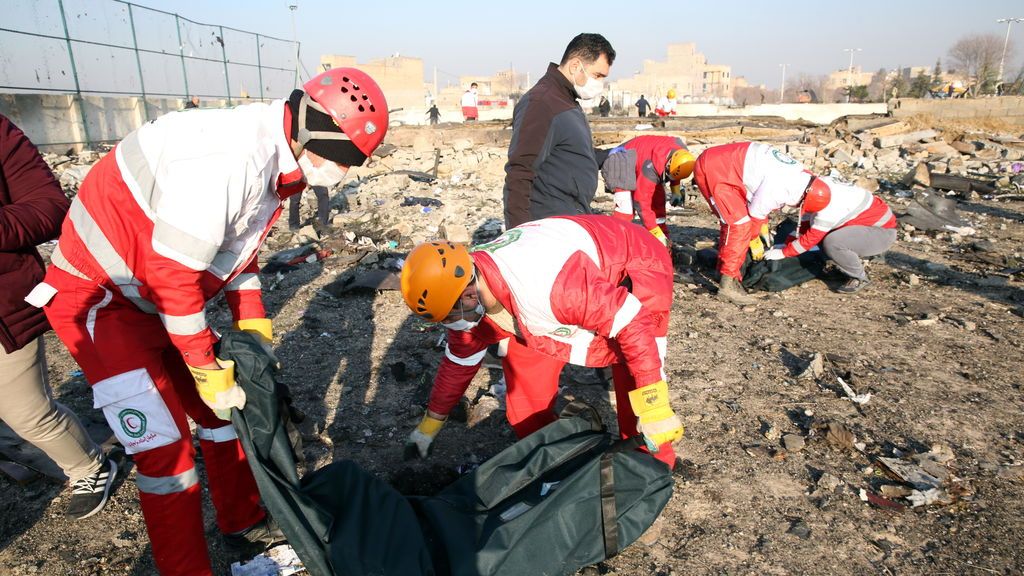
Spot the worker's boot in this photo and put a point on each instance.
(731, 290)
(255, 539)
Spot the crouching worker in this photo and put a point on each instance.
(588, 290)
(848, 221)
(174, 215)
(637, 173)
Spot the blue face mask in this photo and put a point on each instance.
(464, 325)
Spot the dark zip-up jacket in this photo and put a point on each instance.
(32, 207)
(552, 164)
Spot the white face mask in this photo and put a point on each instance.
(328, 174)
(591, 89)
(464, 325)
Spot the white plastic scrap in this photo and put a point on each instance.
(278, 561)
(926, 497)
(853, 396)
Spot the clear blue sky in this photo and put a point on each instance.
(754, 37)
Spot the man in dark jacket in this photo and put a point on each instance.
(32, 207)
(552, 164)
(641, 106)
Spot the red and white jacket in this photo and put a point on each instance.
(848, 206)
(652, 153)
(744, 182)
(588, 290)
(177, 212)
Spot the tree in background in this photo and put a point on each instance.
(976, 56)
(857, 93)
(805, 86)
(877, 87)
(937, 73)
(897, 86)
(920, 86)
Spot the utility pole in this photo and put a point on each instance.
(849, 73)
(1009, 22)
(295, 40)
(435, 83)
(782, 91)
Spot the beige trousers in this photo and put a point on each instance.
(27, 406)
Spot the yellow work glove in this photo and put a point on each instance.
(758, 245)
(657, 422)
(259, 326)
(659, 234)
(218, 390)
(420, 442)
(262, 328)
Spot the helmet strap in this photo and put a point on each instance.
(304, 134)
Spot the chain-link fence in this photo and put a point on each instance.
(112, 47)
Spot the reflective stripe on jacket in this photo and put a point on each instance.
(177, 212)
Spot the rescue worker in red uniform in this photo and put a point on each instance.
(167, 220)
(637, 172)
(848, 221)
(588, 290)
(743, 182)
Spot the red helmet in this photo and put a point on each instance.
(356, 104)
(817, 195)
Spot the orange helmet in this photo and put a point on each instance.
(680, 164)
(434, 276)
(817, 196)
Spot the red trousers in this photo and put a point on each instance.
(736, 227)
(145, 390)
(532, 384)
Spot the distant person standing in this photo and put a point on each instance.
(642, 105)
(604, 108)
(434, 114)
(469, 109)
(193, 103)
(552, 164)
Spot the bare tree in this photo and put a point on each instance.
(976, 56)
(876, 88)
(806, 88)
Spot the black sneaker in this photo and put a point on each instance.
(853, 285)
(255, 539)
(90, 494)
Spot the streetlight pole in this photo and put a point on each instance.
(295, 40)
(849, 73)
(1002, 59)
(782, 91)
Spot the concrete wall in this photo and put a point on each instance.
(814, 113)
(1009, 108)
(57, 122)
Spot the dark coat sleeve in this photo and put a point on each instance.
(37, 203)
(529, 147)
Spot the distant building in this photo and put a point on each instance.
(400, 77)
(685, 70)
(838, 81)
